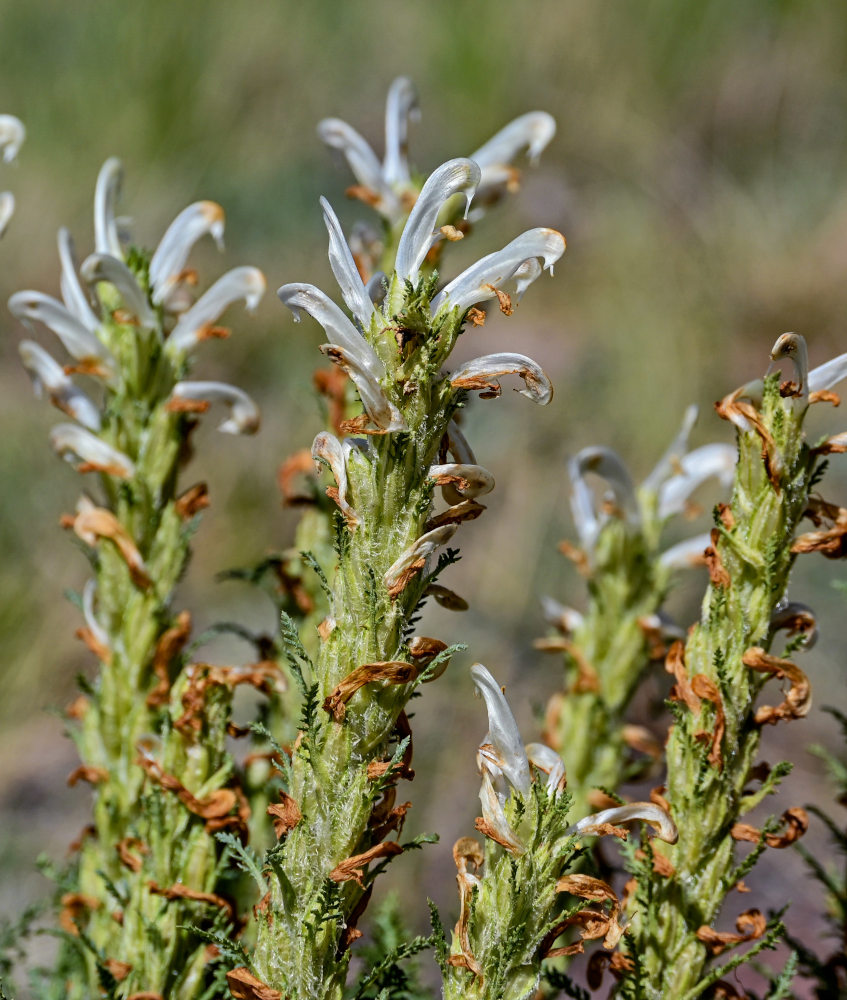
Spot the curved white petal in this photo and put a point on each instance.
(422, 548)
(687, 553)
(532, 132)
(47, 374)
(547, 760)
(494, 814)
(106, 195)
(378, 406)
(469, 481)
(78, 341)
(450, 178)
(645, 812)
(7, 210)
(344, 268)
(476, 374)
(669, 462)
(792, 346)
(503, 731)
(243, 412)
(361, 159)
(70, 439)
(458, 446)
(603, 462)
(694, 469)
(247, 283)
(328, 449)
(168, 262)
(73, 293)
(104, 267)
(12, 135)
(827, 375)
(481, 281)
(400, 108)
(94, 626)
(337, 326)
(560, 616)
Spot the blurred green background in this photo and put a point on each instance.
(699, 174)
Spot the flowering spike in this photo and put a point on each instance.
(328, 449)
(49, 375)
(453, 177)
(503, 730)
(532, 132)
(476, 374)
(168, 261)
(78, 341)
(482, 280)
(646, 812)
(73, 293)
(344, 268)
(69, 439)
(244, 414)
(103, 267)
(106, 194)
(693, 469)
(337, 326)
(246, 283)
(668, 464)
(7, 210)
(12, 135)
(401, 107)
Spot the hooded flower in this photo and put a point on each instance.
(388, 186)
(667, 490)
(353, 344)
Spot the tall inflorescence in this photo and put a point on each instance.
(150, 728)
(519, 894)
(720, 672)
(610, 645)
(354, 743)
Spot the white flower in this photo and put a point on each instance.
(387, 185)
(243, 412)
(71, 441)
(48, 375)
(669, 486)
(643, 812)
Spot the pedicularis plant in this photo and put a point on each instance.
(210, 873)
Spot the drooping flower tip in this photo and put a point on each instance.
(196, 324)
(646, 812)
(503, 733)
(167, 265)
(244, 415)
(481, 374)
(12, 136)
(48, 375)
(71, 441)
(532, 132)
(459, 176)
(79, 341)
(517, 263)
